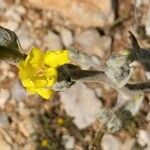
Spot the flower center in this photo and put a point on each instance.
(40, 71)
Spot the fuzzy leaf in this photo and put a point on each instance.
(10, 48)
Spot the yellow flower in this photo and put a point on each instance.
(44, 143)
(60, 121)
(38, 72)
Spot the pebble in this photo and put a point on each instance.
(11, 24)
(147, 23)
(52, 41)
(20, 10)
(29, 146)
(128, 144)
(81, 103)
(4, 67)
(3, 120)
(13, 14)
(138, 3)
(6, 136)
(13, 18)
(91, 42)
(69, 142)
(148, 117)
(17, 91)
(143, 138)
(85, 13)
(4, 97)
(26, 37)
(3, 144)
(110, 142)
(3, 4)
(66, 36)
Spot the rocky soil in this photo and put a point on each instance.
(69, 120)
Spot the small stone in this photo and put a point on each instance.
(69, 142)
(12, 14)
(133, 106)
(147, 23)
(3, 120)
(52, 41)
(3, 4)
(148, 117)
(91, 42)
(81, 103)
(128, 144)
(4, 68)
(110, 142)
(144, 138)
(17, 91)
(78, 147)
(86, 13)
(26, 37)
(28, 126)
(29, 146)
(23, 129)
(20, 10)
(11, 74)
(4, 97)
(3, 144)
(96, 59)
(22, 110)
(6, 136)
(147, 75)
(11, 24)
(138, 3)
(13, 18)
(66, 37)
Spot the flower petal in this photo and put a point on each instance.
(50, 82)
(38, 72)
(28, 83)
(35, 57)
(26, 71)
(40, 83)
(45, 93)
(50, 72)
(56, 58)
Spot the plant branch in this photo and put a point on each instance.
(140, 86)
(10, 48)
(139, 54)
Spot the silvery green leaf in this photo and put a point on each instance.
(9, 39)
(61, 86)
(134, 104)
(83, 60)
(68, 74)
(64, 78)
(105, 115)
(114, 124)
(109, 119)
(118, 70)
(124, 96)
(144, 86)
(10, 48)
(139, 54)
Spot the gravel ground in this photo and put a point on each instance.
(27, 122)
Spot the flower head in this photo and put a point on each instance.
(38, 72)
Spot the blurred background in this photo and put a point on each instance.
(69, 120)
